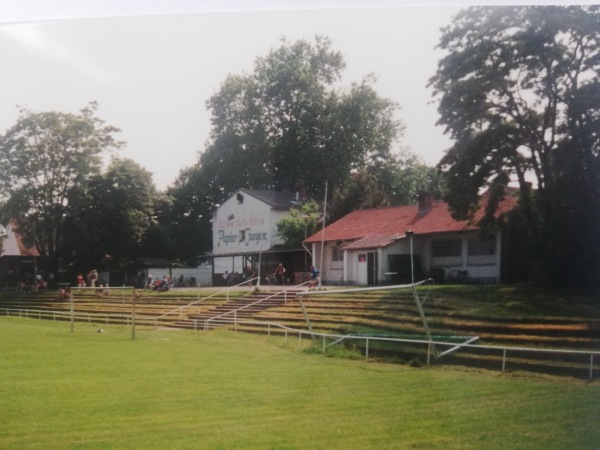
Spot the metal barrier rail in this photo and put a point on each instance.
(181, 308)
(234, 311)
(593, 355)
(87, 317)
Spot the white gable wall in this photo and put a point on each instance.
(10, 246)
(247, 226)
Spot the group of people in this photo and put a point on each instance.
(231, 278)
(93, 280)
(234, 278)
(31, 283)
(160, 284)
(278, 277)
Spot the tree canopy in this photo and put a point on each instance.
(292, 125)
(110, 218)
(519, 92)
(299, 224)
(397, 181)
(289, 124)
(45, 157)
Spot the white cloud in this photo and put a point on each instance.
(32, 38)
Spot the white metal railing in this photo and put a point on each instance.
(235, 311)
(594, 356)
(181, 308)
(54, 315)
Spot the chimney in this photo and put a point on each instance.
(425, 203)
(301, 194)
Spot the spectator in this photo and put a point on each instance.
(249, 274)
(280, 274)
(314, 278)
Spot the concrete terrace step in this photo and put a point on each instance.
(364, 314)
(242, 309)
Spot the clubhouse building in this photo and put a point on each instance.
(395, 245)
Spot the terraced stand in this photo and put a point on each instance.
(395, 315)
(115, 308)
(507, 320)
(241, 309)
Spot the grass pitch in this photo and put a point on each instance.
(221, 390)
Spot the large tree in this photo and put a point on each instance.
(189, 217)
(519, 93)
(44, 157)
(108, 220)
(398, 181)
(290, 125)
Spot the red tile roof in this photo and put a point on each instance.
(372, 228)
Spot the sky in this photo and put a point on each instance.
(152, 70)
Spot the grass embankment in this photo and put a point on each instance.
(178, 389)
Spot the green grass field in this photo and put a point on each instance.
(222, 390)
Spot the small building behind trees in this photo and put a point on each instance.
(21, 263)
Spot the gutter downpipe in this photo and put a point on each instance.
(323, 235)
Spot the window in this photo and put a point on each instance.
(479, 247)
(446, 248)
(336, 253)
(482, 252)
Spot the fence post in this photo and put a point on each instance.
(72, 308)
(428, 353)
(503, 360)
(366, 349)
(133, 314)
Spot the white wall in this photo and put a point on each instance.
(10, 246)
(248, 226)
(242, 227)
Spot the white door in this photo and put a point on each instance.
(362, 273)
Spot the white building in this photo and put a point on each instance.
(245, 232)
(397, 244)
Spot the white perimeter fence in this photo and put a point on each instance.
(575, 362)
